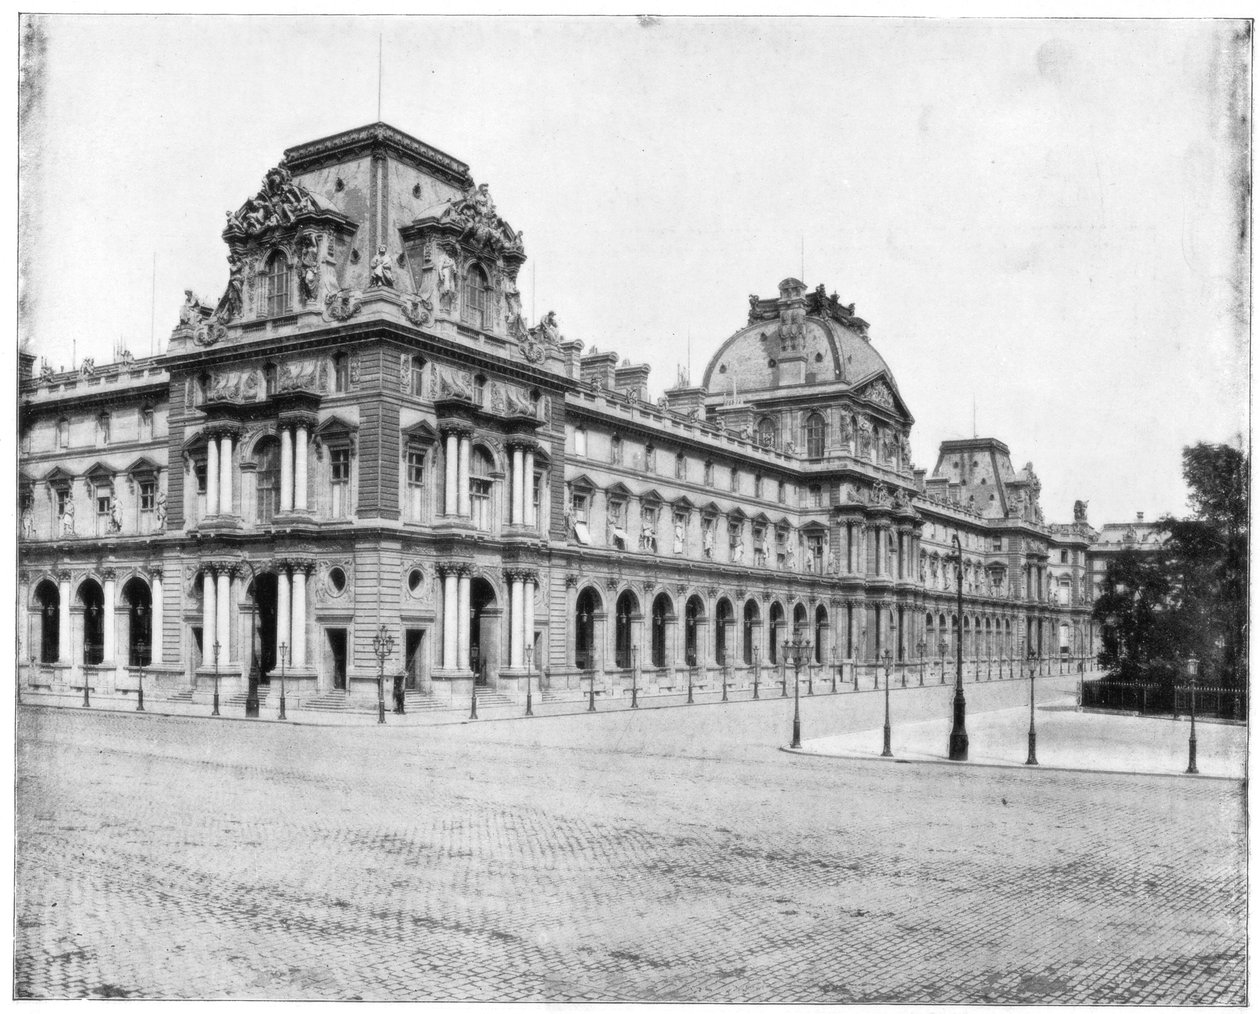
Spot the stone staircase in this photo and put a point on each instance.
(184, 696)
(488, 698)
(238, 700)
(336, 700)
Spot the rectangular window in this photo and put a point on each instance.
(417, 376)
(479, 490)
(618, 537)
(1063, 556)
(759, 546)
(537, 495)
(997, 543)
(780, 547)
(104, 494)
(415, 485)
(339, 473)
(63, 498)
(735, 542)
(581, 508)
(579, 441)
(814, 554)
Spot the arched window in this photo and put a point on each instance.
(751, 614)
(725, 617)
(627, 606)
(48, 599)
(140, 622)
(692, 616)
(266, 480)
(768, 432)
(815, 435)
(480, 488)
(820, 632)
(584, 629)
(92, 599)
(476, 293)
(661, 613)
(276, 284)
(776, 631)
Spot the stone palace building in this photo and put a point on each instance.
(364, 431)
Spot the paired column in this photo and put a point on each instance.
(108, 619)
(458, 457)
(155, 616)
(223, 624)
(521, 631)
(219, 492)
(294, 452)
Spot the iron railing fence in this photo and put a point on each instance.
(1153, 698)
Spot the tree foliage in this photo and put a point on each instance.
(1156, 610)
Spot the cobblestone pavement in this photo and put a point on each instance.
(676, 855)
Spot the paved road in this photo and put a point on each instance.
(672, 855)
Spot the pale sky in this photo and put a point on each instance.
(1040, 215)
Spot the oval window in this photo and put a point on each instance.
(337, 580)
(414, 580)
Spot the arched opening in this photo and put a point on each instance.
(820, 632)
(92, 601)
(588, 604)
(693, 614)
(776, 631)
(815, 435)
(139, 602)
(662, 614)
(752, 614)
(475, 302)
(264, 595)
(725, 617)
(800, 621)
(276, 284)
(627, 608)
(481, 488)
(266, 480)
(481, 628)
(48, 599)
(768, 432)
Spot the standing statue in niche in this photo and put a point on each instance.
(115, 514)
(28, 522)
(159, 512)
(444, 265)
(678, 536)
(382, 268)
(67, 517)
(308, 271)
(739, 550)
(708, 544)
(233, 300)
(789, 562)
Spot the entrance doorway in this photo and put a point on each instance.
(264, 594)
(337, 653)
(481, 630)
(414, 644)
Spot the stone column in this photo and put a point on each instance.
(516, 640)
(452, 475)
(284, 611)
(518, 481)
(527, 486)
(223, 616)
(298, 632)
(299, 470)
(286, 469)
(450, 627)
(528, 624)
(110, 620)
(212, 477)
(209, 612)
(464, 613)
(64, 650)
(225, 474)
(155, 616)
(465, 452)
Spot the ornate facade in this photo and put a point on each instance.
(363, 431)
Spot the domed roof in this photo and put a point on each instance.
(814, 328)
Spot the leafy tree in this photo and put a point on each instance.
(1139, 626)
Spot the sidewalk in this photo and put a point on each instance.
(1066, 739)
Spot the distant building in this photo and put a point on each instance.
(363, 430)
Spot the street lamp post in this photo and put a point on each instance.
(383, 646)
(835, 670)
(140, 691)
(887, 710)
(1032, 726)
(634, 676)
(922, 658)
(1192, 670)
(690, 698)
(756, 673)
(796, 649)
(216, 680)
(725, 677)
(283, 650)
(529, 681)
(809, 672)
(941, 647)
(958, 740)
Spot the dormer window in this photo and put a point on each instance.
(476, 296)
(276, 284)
